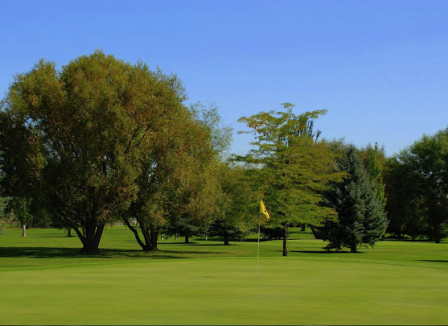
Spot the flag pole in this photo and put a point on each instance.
(258, 247)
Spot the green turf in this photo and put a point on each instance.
(43, 280)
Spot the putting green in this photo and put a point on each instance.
(225, 291)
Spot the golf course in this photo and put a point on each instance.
(44, 280)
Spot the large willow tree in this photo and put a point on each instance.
(293, 167)
(177, 182)
(80, 136)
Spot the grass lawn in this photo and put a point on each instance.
(43, 280)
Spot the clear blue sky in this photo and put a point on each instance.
(380, 68)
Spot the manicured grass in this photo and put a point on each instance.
(43, 280)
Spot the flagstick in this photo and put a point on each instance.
(258, 247)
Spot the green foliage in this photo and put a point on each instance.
(417, 186)
(404, 206)
(4, 201)
(198, 197)
(361, 216)
(237, 204)
(177, 179)
(374, 159)
(272, 233)
(21, 207)
(78, 137)
(209, 118)
(293, 167)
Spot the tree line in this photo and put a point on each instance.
(102, 141)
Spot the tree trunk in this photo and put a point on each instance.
(285, 238)
(187, 240)
(92, 239)
(303, 227)
(24, 230)
(353, 248)
(154, 235)
(314, 232)
(437, 232)
(148, 244)
(90, 233)
(226, 239)
(69, 232)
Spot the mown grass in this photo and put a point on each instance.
(44, 280)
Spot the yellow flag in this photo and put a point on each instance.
(263, 210)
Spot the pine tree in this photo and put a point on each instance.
(361, 216)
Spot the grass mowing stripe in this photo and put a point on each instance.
(43, 280)
(226, 291)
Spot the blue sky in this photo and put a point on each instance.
(380, 68)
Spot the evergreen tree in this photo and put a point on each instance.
(361, 216)
(374, 159)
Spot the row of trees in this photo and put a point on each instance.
(103, 141)
(417, 189)
(311, 182)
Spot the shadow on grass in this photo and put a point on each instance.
(435, 261)
(326, 252)
(193, 244)
(49, 252)
(256, 240)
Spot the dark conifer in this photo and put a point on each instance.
(361, 216)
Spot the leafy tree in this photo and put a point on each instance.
(3, 204)
(178, 187)
(422, 207)
(208, 117)
(293, 167)
(78, 135)
(404, 202)
(21, 207)
(361, 216)
(195, 209)
(272, 233)
(237, 204)
(187, 219)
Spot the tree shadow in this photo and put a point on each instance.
(204, 253)
(326, 252)
(51, 252)
(256, 240)
(193, 244)
(435, 261)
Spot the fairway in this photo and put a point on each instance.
(208, 283)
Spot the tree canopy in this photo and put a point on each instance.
(293, 167)
(417, 188)
(83, 133)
